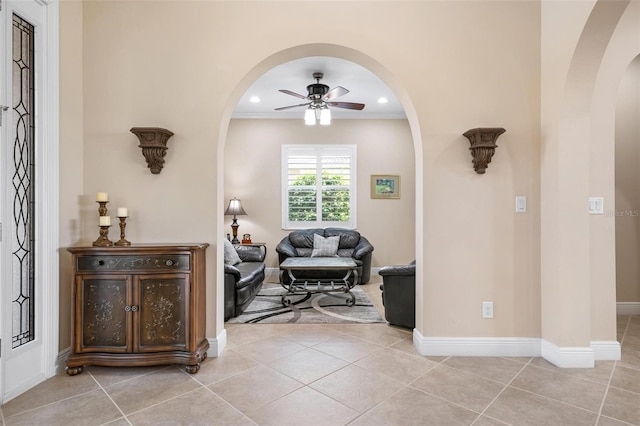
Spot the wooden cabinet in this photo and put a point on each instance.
(138, 305)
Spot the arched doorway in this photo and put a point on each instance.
(288, 55)
(578, 163)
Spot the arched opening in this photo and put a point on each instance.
(627, 183)
(270, 62)
(578, 162)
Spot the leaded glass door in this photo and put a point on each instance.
(25, 284)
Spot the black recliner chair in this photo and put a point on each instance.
(399, 294)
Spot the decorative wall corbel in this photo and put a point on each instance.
(153, 141)
(483, 145)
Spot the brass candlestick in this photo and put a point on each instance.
(123, 224)
(103, 239)
(102, 209)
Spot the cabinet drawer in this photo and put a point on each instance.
(179, 262)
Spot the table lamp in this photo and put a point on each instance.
(235, 209)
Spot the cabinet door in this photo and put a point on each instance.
(102, 320)
(162, 320)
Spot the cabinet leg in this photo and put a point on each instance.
(73, 371)
(192, 369)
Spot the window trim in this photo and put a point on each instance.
(289, 149)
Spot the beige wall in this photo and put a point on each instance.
(71, 152)
(183, 65)
(627, 208)
(179, 65)
(253, 174)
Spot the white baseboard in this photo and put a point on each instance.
(568, 357)
(606, 350)
(476, 346)
(217, 344)
(563, 357)
(628, 308)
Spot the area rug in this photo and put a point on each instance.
(319, 308)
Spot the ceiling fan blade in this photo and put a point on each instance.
(334, 93)
(292, 106)
(346, 105)
(289, 92)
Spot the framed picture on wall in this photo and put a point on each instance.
(385, 186)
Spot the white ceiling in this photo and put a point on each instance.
(364, 87)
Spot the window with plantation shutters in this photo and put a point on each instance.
(318, 186)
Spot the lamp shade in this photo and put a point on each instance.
(325, 117)
(235, 208)
(310, 117)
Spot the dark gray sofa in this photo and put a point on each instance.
(243, 280)
(352, 244)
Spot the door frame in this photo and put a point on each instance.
(47, 199)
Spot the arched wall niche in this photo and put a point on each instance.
(290, 54)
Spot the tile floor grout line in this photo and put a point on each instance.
(381, 402)
(619, 421)
(502, 391)
(559, 370)
(443, 399)
(615, 364)
(487, 378)
(110, 399)
(51, 403)
(556, 400)
(229, 404)
(162, 402)
(160, 368)
(625, 390)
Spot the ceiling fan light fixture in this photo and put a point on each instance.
(309, 117)
(325, 117)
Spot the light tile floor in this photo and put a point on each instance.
(362, 375)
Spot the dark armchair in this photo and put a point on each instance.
(399, 294)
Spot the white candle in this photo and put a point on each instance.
(102, 196)
(105, 220)
(123, 212)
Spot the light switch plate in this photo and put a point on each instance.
(596, 205)
(521, 204)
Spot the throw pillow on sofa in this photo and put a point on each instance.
(325, 247)
(230, 254)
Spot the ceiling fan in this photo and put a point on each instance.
(320, 97)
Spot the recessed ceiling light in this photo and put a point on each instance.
(382, 100)
(254, 99)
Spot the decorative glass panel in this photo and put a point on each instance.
(23, 105)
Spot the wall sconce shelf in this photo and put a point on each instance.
(483, 145)
(153, 141)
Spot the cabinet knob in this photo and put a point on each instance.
(98, 263)
(127, 308)
(169, 262)
(134, 308)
